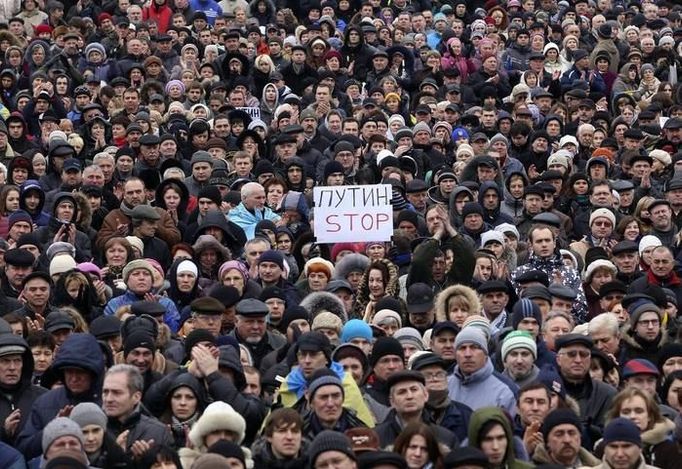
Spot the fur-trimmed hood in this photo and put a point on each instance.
(456, 290)
(208, 241)
(320, 301)
(628, 335)
(661, 432)
(84, 210)
(350, 263)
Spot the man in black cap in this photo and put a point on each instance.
(625, 256)
(561, 441)
(387, 358)
(145, 223)
(494, 299)
(420, 304)
(594, 397)
(149, 157)
(408, 397)
(448, 413)
(139, 350)
(251, 330)
(207, 314)
(15, 385)
(331, 448)
(18, 265)
(623, 445)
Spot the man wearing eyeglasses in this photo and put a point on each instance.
(594, 397)
(644, 337)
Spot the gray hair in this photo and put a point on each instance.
(257, 240)
(604, 322)
(134, 377)
(103, 156)
(557, 314)
(249, 188)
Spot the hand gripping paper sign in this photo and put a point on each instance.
(353, 213)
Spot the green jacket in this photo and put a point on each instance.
(486, 414)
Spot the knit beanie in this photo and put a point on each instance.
(640, 308)
(409, 335)
(471, 208)
(356, 329)
(218, 415)
(622, 429)
(480, 322)
(327, 320)
(188, 266)
(329, 440)
(195, 337)
(603, 213)
(175, 82)
(61, 264)
(464, 148)
(58, 247)
(648, 241)
(472, 335)
(525, 308)
(384, 314)
(58, 427)
(273, 256)
(138, 339)
(134, 265)
(332, 167)
(519, 339)
(560, 417)
(17, 216)
(88, 413)
(212, 193)
(326, 379)
(421, 127)
(385, 346)
(227, 449)
(135, 243)
(669, 350)
(291, 314)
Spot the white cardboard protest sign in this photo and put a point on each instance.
(353, 213)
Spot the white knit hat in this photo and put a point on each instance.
(492, 235)
(603, 213)
(648, 241)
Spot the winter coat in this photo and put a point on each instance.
(493, 217)
(142, 427)
(553, 267)
(80, 351)
(390, 428)
(594, 399)
(633, 346)
(483, 416)
(360, 55)
(21, 396)
(258, 351)
(470, 296)
(247, 219)
(171, 317)
(263, 457)
(605, 465)
(542, 456)
(39, 217)
(609, 47)
(293, 388)
(47, 233)
(167, 230)
(482, 388)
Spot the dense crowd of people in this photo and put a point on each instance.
(165, 302)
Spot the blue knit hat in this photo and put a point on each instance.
(622, 429)
(273, 256)
(356, 329)
(525, 308)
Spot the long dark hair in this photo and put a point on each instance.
(421, 429)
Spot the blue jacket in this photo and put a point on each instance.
(248, 220)
(171, 317)
(483, 388)
(210, 7)
(10, 458)
(80, 351)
